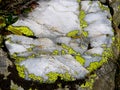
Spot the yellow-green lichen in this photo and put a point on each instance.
(63, 52)
(103, 7)
(29, 49)
(2, 22)
(32, 56)
(36, 78)
(75, 54)
(83, 23)
(69, 49)
(20, 30)
(21, 70)
(73, 33)
(93, 66)
(53, 76)
(108, 53)
(66, 76)
(78, 1)
(55, 52)
(80, 59)
(89, 83)
(17, 59)
(84, 33)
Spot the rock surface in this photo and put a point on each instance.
(61, 47)
(69, 45)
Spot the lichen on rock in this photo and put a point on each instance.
(73, 40)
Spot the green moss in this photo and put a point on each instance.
(36, 78)
(53, 76)
(2, 22)
(20, 30)
(20, 70)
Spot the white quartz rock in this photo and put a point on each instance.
(21, 44)
(65, 40)
(60, 64)
(51, 23)
(96, 50)
(90, 7)
(90, 59)
(58, 18)
(101, 40)
(93, 17)
(16, 48)
(98, 28)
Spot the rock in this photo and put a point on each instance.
(106, 77)
(4, 63)
(69, 43)
(115, 4)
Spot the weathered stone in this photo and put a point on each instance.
(4, 63)
(60, 39)
(106, 77)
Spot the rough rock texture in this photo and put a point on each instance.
(4, 63)
(54, 43)
(106, 77)
(59, 42)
